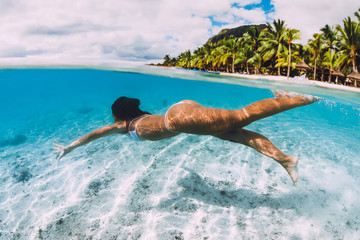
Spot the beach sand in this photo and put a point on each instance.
(296, 80)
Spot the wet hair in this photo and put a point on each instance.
(126, 109)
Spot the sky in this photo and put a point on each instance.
(144, 30)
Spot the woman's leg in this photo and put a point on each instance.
(264, 108)
(264, 146)
(195, 119)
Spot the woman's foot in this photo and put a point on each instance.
(290, 164)
(306, 98)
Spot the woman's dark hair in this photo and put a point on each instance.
(126, 109)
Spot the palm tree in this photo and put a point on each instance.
(167, 60)
(315, 45)
(350, 40)
(216, 55)
(335, 49)
(231, 47)
(246, 53)
(289, 37)
(208, 57)
(330, 36)
(273, 42)
(221, 55)
(256, 60)
(184, 59)
(333, 60)
(357, 14)
(197, 59)
(302, 50)
(252, 40)
(283, 60)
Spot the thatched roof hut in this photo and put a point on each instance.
(302, 65)
(337, 74)
(355, 76)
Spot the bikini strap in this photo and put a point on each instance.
(134, 120)
(137, 122)
(140, 120)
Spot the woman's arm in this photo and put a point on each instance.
(119, 127)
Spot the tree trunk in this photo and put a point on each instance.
(322, 75)
(329, 80)
(288, 72)
(279, 69)
(233, 64)
(353, 56)
(354, 66)
(315, 70)
(247, 68)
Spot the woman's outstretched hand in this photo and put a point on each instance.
(60, 149)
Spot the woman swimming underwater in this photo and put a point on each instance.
(190, 117)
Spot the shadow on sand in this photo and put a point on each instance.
(195, 187)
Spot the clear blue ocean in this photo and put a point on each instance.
(187, 187)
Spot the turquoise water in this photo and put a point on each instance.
(187, 187)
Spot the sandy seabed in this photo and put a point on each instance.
(187, 187)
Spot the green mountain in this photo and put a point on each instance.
(236, 32)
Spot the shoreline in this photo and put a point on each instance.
(131, 66)
(295, 80)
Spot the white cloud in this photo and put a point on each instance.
(112, 29)
(254, 16)
(309, 16)
(129, 29)
(241, 15)
(243, 3)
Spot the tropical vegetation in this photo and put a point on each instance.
(332, 52)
